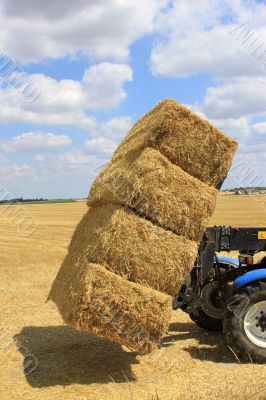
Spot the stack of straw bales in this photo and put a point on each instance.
(138, 240)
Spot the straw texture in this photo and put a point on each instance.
(132, 247)
(91, 298)
(187, 140)
(157, 189)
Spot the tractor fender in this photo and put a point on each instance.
(228, 260)
(250, 276)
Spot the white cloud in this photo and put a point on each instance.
(12, 172)
(235, 99)
(33, 7)
(75, 170)
(60, 103)
(193, 40)
(190, 40)
(251, 143)
(207, 39)
(66, 102)
(103, 84)
(39, 157)
(35, 141)
(115, 128)
(239, 128)
(52, 174)
(104, 29)
(78, 166)
(251, 150)
(100, 145)
(260, 128)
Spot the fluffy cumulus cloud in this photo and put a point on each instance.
(115, 128)
(224, 39)
(236, 98)
(103, 84)
(260, 128)
(249, 162)
(12, 173)
(51, 174)
(54, 29)
(227, 40)
(75, 170)
(67, 102)
(92, 154)
(56, 167)
(207, 38)
(49, 10)
(100, 144)
(35, 141)
(239, 128)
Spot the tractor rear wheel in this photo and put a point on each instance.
(245, 322)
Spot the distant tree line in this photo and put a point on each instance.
(21, 200)
(245, 188)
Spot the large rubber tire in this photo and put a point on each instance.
(209, 315)
(204, 321)
(237, 308)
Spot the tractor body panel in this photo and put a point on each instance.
(248, 277)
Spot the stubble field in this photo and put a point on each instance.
(40, 358)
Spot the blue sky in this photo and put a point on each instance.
(76, 75)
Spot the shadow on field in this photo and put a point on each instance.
(210, 346)
(58, 355)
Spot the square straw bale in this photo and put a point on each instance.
(95, 300)
(157, 189)
(133, 248)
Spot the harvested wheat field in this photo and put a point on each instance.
(41, 358)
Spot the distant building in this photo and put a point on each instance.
(251, 191)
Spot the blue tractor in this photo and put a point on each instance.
(224, 293)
